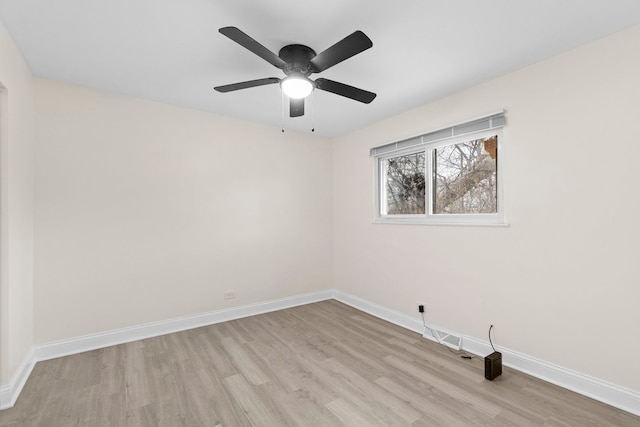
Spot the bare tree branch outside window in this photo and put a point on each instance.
(465, 177)
(406, 184)
(464, 180)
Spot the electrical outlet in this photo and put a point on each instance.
(421, 304)
(230, 295)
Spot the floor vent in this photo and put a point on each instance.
(447, 339)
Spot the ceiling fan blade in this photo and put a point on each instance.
(344, 49)
(345, 90)
(296, 107)
(247, 42)
(247, 84)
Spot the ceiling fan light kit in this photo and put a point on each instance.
(297, 86)
(298, 62)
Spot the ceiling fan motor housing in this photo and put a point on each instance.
(297, 57)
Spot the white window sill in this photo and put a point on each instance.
(466, 222)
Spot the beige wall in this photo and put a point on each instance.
(562, 282)
(16, 208)
(147, 212)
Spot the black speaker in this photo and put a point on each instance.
(493, 365)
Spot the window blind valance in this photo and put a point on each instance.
(492, 121)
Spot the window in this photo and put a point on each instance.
(404, 184)
(446, 176)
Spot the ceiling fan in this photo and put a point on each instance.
(298, 62)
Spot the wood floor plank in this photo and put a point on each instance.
(388, 401)
(324, 364)
(243, 362)
(258, 407)
(464, 396)
(301, 407)
(226, 408)
(432, 413)
(351, 415)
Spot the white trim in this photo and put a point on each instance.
(408, 322)
(399, 221)
(611, 394)
(9, 393)
(619, 397)
(430, 218)
(66, 347)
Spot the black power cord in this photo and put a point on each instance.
(491, 342)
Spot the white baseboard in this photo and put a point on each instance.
(61, 348)
(611, 394)
(586, 385)
(408, 322)
(9, 393)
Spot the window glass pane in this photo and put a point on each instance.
(405, 184)
(465, 177)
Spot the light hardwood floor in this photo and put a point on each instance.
(323, 364)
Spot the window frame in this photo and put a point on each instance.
(429, 218)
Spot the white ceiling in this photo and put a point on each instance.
(170, 50)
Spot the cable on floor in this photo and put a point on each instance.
(463, 354)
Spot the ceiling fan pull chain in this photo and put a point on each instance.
(282, 110)
(313, 112)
